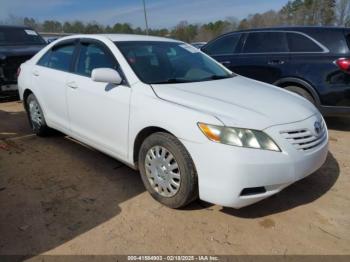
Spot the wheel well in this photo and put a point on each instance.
(26, 93)
(291, 83)
(142, 135)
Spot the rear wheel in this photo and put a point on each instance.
(36, 116)
(302, 92)
(167, 170)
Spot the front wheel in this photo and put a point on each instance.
(36, 116)
(167, 170)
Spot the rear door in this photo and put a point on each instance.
(264, 56)
(50, 75)
(99, 112)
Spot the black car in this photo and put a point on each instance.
(17, 44)
(311, 61)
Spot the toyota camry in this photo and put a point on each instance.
(189, 125)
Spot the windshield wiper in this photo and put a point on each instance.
(218, 77)
(171, 81)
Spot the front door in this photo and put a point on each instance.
(98, 112)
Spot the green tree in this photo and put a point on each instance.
(78, 27)
(30, 22)
(67, 28)
(124, 28)
(328, 12)
(184, 31)
(52, 26)
(93, 28)
(343, 12)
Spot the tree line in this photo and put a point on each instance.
(295, 12)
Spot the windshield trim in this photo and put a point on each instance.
(207, 79)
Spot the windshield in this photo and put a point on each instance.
(19, 36)
(170, 62)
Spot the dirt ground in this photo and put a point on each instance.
(60, 197)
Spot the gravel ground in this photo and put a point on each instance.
(58, 196)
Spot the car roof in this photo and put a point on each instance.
(132, 37)
(292, 28)
(123, 37)
(15, 26)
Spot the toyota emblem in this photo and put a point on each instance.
(317, 127)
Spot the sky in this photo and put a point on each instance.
(161, 13)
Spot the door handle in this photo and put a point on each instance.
(72, 85)
(225, 63)
(35, 73)
(276, 62)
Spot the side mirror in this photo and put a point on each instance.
(106, 75)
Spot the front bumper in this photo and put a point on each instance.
(225, 171)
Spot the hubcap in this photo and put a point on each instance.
(35, 113)
(162, 171)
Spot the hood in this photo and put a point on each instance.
(17, 50)
(239, 101)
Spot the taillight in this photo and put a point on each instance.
(18, 71)
(343, 64)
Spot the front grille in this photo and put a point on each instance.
(305, 139)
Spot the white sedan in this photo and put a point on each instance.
(191, 127)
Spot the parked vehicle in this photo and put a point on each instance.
(186, 122)
(313, 62)
(17, 44)
(49, 40)
(198, 45)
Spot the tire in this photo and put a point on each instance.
(36, 116)
(175, 188)
(302, 92)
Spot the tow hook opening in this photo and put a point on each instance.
(253, 191)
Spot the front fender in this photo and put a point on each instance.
(148, 110)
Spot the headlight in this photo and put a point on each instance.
(239, 137)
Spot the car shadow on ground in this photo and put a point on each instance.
(300, 193)
(13, 124)
(54, 189)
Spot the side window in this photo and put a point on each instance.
(61, 57)
(266, 42)
(93, 56)
(223, 45)
(44, 60)
(300, 43)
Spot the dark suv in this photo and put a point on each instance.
(311, 61)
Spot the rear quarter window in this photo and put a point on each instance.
(332, 39)
(301, 43)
